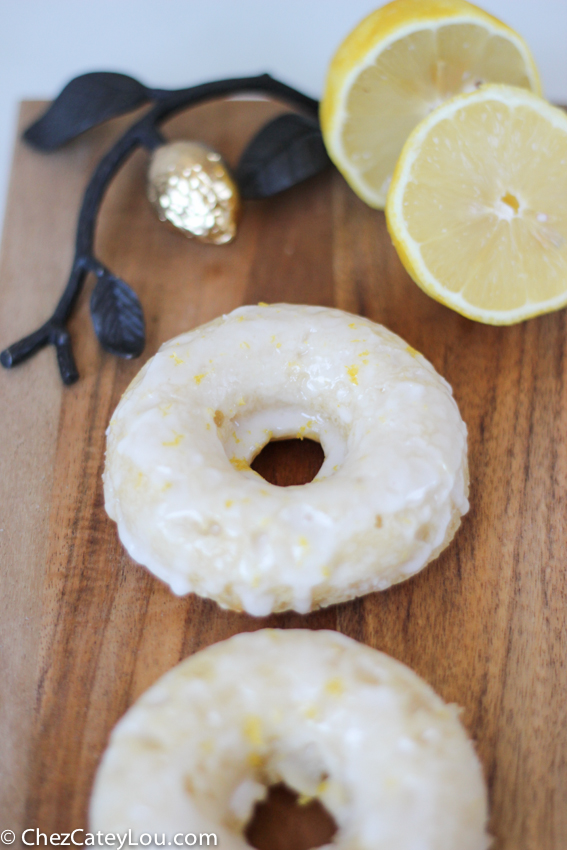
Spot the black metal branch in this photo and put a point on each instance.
(144, 133)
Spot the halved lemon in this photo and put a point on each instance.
(396, 66)
(477, 209)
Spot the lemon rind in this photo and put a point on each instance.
(408, 249)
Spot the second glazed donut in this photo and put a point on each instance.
(387, 499)
(331, 718)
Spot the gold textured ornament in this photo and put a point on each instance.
(190, 186)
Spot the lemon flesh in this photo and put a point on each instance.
(397, 66)
(477, 208)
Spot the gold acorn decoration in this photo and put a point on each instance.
(190, 186)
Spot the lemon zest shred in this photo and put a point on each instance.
(176, 440)
(253, 730)
(352, 372)
(335, 687)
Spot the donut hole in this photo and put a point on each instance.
(289, 462)
(285, 822)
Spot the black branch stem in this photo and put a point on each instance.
(144, 133)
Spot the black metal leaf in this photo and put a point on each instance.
(286, 151)
(117, 316)
(86, 101)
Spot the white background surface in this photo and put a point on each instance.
(175, 43)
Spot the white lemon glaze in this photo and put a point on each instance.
(387, 499)
(331, 718)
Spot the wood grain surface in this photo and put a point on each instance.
(85, 631)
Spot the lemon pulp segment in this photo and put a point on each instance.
(478, 205)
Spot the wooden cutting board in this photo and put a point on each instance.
(85, 631)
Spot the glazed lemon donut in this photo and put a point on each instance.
(387, 499)
(331, 718)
